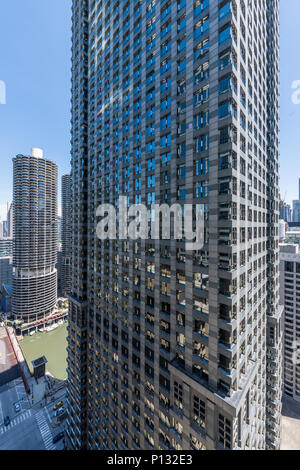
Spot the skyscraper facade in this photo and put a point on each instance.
(35, 236)
(176, 102)
(66, 234)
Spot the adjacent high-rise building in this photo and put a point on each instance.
(176, 102)
(35, 236)
(66, 234)
(290, 298)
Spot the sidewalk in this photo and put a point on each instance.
(43, 391)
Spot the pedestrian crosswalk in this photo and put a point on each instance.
(19, 419)
(45, 430)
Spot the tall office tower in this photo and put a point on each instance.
(5, 261)
(175, 102)
(296, 210)
(10, 220)
(285, 211)
(5, 270)
(289, 296)
(66, 234)
(35, 236)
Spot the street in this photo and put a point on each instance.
(22, 434)
(31, 428)
(10, 394)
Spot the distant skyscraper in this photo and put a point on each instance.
(35, 236)
(6, 247)
(5, 270)
(176, 102)
(5, 261)
(66, 234)
(4, 228)
(285, 211)
(296, 210)
(290, 298)
(10, 220)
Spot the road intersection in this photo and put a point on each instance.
(32, 427)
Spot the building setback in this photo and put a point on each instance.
(176, 102)
(35, 236)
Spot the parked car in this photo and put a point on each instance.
(58, 405)
(58, 437)
(59, 412)
(17, 407)
(6, 421)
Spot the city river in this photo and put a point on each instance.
(52, 345)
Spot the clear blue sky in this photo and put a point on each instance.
(35, 64)
(35, 43)
(289, 112)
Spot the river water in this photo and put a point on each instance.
(53, 346)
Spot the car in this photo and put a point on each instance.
(58, 405)
(6, 421)
(58, 437)
(59, 412)
(17, 407)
